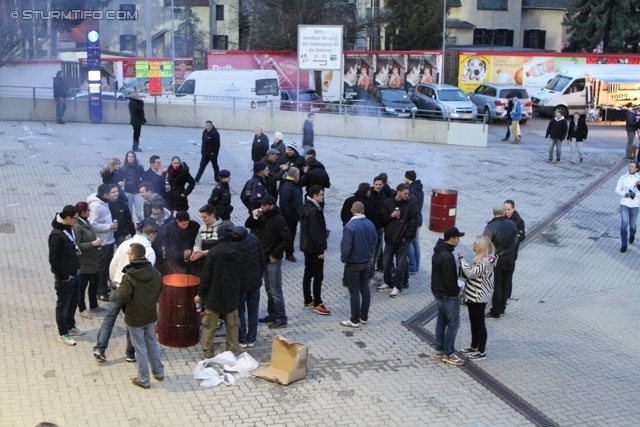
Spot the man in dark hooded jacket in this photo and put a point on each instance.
(292, 159)
(417, 198)
(65, 266)
(140, 291)
(219, 291)
(315, 175)
(178, 239)
(136, 111)
(290, 204)
(362, 196)
(209, 151)
(252, 269)
(60, 93)
(444, 286)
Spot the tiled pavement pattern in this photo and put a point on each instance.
(568, 344)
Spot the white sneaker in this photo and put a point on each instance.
(66, 339)
(395, 293)
(383, 287)
(76, 332)
(85, 315)
(349, 324)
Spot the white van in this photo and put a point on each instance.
(244, 88)
(577, 86)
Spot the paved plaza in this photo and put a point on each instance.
(568, 345)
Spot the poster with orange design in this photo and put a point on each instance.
(507, 70)
(473, 70)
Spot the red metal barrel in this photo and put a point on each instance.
(443, 209)
(178, 320)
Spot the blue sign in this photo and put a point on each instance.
(94, 78)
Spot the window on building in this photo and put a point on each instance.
(534, 39)
(177, 13)
(128, 42)
(452, 41)
(493, 4)
(130, 8)
(220, 12)
(497, 37)
(220, 42)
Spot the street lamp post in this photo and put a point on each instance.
(444, 36)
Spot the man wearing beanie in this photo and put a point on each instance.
(293, 158)
(417, 198)
(271, 159)
(221, 196)
(255, 188)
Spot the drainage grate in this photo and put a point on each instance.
(416, 323)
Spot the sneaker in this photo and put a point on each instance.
(623, 249)
(99, 356)
(383, 287)
(310, 305)
(137, 150)
(97, 310)
(438, 355)
(395, 293)
(76, 332)
(504, 139)
(242, 345)
(469, 350)
(453, 359)
(266, 319)
(364, 322)
(491, 316)
(373, 281)
(66, 339)
(277, 325)
(159, 377)
(550, 160)
(321, 309)
(85, 315)
(131, 359)
(135, 382)
(477, 356)
(251, 344)
(349, 324)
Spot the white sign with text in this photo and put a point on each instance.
(319, 47)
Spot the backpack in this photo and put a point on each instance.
(245, 195)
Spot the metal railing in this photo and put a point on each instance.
(344, 107)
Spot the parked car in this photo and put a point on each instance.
(391, 101)
(309, 100)
(491, 100)
(444, 101)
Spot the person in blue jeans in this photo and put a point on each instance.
(416, 196)
(140, 290)
(252, 271)
(444, 286)
(65, 264)
(275, 237)
(627, 188)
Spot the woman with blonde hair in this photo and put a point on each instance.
(109, 173)
(477, 293)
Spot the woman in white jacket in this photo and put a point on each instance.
(477, 293)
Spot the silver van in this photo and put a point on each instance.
(443, 101)
(491, 100)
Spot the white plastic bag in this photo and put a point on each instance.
(217, 370)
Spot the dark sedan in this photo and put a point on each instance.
(309, 100)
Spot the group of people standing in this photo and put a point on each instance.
(487, 278)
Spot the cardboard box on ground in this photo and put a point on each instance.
(288, 362)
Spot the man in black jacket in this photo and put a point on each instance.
(400, 220)
(271, 160)
(307, 134)
(274, 236)
(136, 111)
(252, 270)
(221, 196)
(417, 198)
(504, 236)
(260, 145)
(290, 204)
(219, 291)
(361, 195)
(256, 187)
(444, 286)
(512, 214)
(631, 126)
(577, 133)
(65, 266)
(178, 239)
(292, 159)
(315, 175)
(156, 175)
(377, 197)
(60, 93)
(509, 109)
(557, 130)
(149, 196)
(313, 243)
(209, 151)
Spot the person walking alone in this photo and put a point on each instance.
(516, 115)
(136, 112)
(209, 151)
(60, 93)
(557, 130)
(627, 188)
